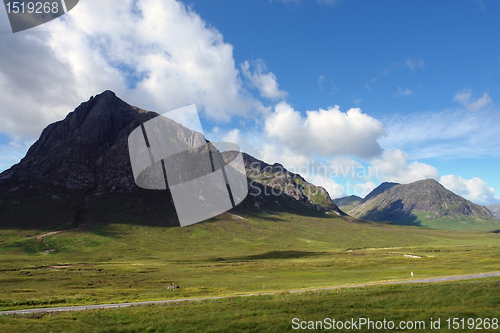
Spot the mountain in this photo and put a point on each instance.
(79, 172)
(495, 210)
(269, 182)
(347, 203)
(423, 203)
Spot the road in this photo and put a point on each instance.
(123, 305)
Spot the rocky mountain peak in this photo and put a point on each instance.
(79, 169)
(86, 150)
(95, 124)
(425, 202)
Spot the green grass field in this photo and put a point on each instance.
(409, 303)
(225, 256)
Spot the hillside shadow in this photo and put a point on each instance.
(68, 210)
(394, 213)
(288, 254)
(266, 203)
(59, 209)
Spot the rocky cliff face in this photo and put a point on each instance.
(85, 151)
(424, 203)
(79, 171)
(273, 181)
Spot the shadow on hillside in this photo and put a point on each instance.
(266, 204)
(394, 213)
(278, 255)
(59, 209)
(67, 210)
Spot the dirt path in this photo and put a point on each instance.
(123, 305)
(42, 236)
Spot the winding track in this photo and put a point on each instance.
(123, 305)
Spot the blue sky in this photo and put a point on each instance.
(417, 83)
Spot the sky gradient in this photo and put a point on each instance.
(350, 93)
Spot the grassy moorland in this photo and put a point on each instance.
(414, 304)
(105, 263)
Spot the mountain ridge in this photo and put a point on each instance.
(423, 203)
(79, 171)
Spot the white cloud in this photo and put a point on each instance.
(413, 64)
(334, 189)
(341, 190)
(13, 152)
(360, 189)
(238, 137)
(272, 153)
(167, 59)
(393, 166)
(405, 92)
(464, 97)
(37, 86)
(343, 167)
(475, 189)
(232, 136)
(445, 134)
(266, 83)
(325, 132)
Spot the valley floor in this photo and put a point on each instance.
(268, 253)
(414, 304)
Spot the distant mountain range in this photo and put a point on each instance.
(275, 179)
(495, 210)
(79, 172)
(423, 203)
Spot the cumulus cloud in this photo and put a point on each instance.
(465, 98)
(334, 189)
(266, 83)
(37, 87)
(475, 189)
(233, 136)
(325, 132)
(237, 136)
(359, 189)
(272, 153)
(344, 167)
(169, 57)
(393, 166)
